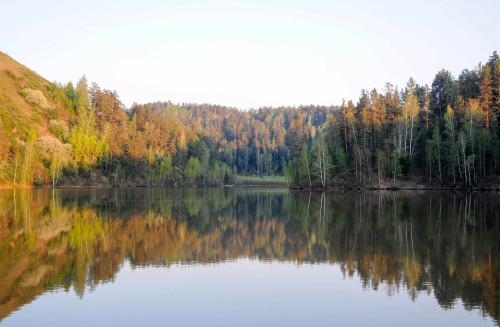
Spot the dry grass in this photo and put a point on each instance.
(25, 104)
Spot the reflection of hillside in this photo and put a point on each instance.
(444, 244)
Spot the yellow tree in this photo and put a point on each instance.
(409, 114)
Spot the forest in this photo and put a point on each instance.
(443, 135)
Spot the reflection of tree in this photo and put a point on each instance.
(441, 243)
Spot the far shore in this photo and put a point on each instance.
(330, 188)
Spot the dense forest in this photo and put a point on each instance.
(446, 134)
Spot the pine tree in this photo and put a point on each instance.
(486, 91)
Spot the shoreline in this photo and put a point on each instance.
(333, 188)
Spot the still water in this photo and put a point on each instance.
(248, 257)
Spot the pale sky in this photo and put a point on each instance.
(248, 53)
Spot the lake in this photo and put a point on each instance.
(248, 257)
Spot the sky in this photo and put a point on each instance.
(248, 54)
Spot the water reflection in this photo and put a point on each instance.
(444, 244)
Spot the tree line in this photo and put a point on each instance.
(443, 134)
(154, 144)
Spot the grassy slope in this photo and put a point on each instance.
(17, 116)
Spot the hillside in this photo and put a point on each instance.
(28, 103)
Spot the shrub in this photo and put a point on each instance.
(36, 97)
(60, 129)
(49, 146)
(69, 171)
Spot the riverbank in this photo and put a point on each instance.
(404, 185)
(103, 181)
(333, 188)
(269, 181)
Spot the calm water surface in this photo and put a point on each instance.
(248, 257)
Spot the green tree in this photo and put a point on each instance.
(86, 118)
(434, 153)
(451, 155)
(164, 170)
(304, 165)
(192, 170)
(443, 93)
(340, 159)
